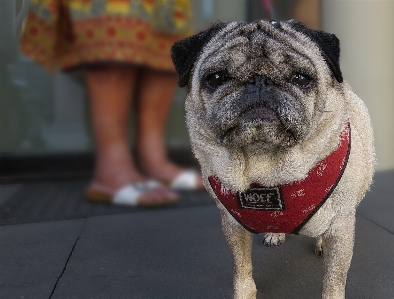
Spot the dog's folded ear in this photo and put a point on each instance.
(327, 43)
(185, 52)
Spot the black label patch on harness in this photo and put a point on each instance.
(261, 199)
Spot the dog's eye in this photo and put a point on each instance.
(216, 79)
(301, 80)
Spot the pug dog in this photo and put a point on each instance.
(285, 146)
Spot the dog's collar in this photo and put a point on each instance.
(286, 208)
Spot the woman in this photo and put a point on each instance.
(125, 47)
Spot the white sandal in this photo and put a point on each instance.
(186, 180)
(129, 195)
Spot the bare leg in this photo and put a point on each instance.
(240, 243)
(110, 91)
(337, 245)
(156, 91)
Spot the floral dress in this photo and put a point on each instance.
(73, 33)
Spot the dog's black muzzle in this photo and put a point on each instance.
(262, 100)
(262, 104)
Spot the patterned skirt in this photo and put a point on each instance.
(73, 33)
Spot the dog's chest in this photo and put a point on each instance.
(285, 209)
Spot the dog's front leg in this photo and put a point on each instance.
(240, 243)
(337, 245)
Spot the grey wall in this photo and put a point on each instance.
(366, 31)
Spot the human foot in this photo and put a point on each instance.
(145, 194)
(122, 184)
(171, 175)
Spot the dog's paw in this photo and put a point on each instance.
(319, 247)
(245, 289)
(273, 239)
(319, 251)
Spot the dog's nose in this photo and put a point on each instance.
(259, 81)
(257, 87)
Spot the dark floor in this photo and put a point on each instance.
(53, 244)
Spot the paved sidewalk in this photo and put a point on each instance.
(181, 253)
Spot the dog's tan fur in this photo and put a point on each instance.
(328, 109)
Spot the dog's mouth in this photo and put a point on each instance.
(254, 115)
(268, 126)
(259, 113)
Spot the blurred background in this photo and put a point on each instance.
(50, 238)
(45, 129)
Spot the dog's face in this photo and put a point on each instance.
(257, 90)
(258, 84)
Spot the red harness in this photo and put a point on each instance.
(286, 208)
